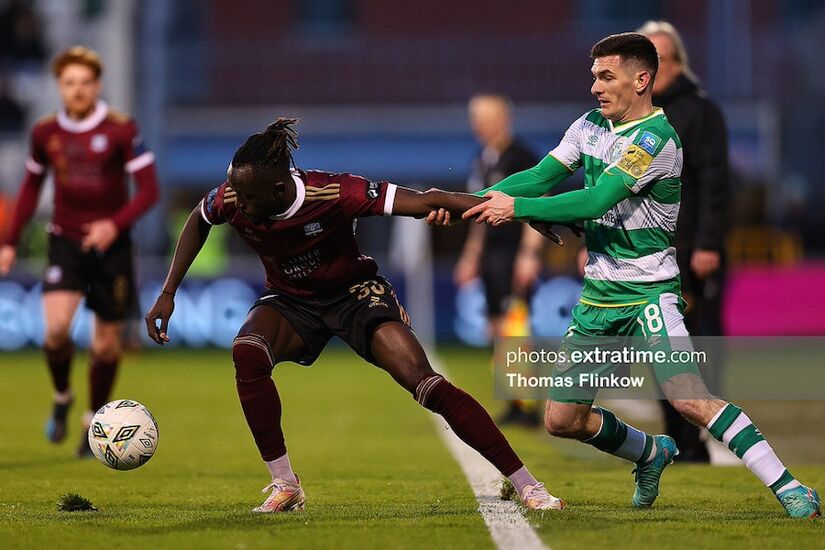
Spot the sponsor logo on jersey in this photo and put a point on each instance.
(648, 142)
(302, 265)
(312, 229)
(635, 161)
(373, 190)
(592, 140)
(99, 143)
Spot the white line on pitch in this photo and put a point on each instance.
(508, 528)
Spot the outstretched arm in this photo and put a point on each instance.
(533, 182)
(582, 204)
(191, 239)
(409, 202)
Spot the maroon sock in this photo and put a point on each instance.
(59, 361)
(469, 421)
(101, 379)
(259, 396)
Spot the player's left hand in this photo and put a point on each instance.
(100, 234)
(439, 217)
(161, 311)
(704, 263)
(496, 211)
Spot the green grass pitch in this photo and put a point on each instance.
(375, 473)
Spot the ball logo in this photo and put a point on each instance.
(125, 433)
(99, 431)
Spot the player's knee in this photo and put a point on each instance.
(107, 353)
(252, 356)
(57, 337)
(107, 348)
(571, 427)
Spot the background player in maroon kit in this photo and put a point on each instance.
(319, 284)
(89, 148)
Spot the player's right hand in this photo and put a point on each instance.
(8, 254)
(161, 310)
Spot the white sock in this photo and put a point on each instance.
(521, 478)
(280, 468)
(63, 398)
(734, 428)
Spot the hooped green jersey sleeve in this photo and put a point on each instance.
(533, 182)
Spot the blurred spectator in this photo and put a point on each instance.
(700, 230)
(21, 42)
(507, 258)
(12, 115)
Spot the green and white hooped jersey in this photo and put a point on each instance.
(631, 254)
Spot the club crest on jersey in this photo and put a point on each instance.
(616, 150)
(99, 143)
(373, 190)
(312, 229)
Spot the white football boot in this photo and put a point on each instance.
(536, 497)
(285, 496)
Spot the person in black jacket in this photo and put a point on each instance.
(508, 260)
(700, 230)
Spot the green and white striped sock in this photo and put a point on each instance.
(619, 439)
(733, 428)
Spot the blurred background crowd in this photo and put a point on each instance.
(382, 90)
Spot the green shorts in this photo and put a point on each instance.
(656, 324)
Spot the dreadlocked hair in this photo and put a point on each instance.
(270, 150)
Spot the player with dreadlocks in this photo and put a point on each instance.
(319, 285)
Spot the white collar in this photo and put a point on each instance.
(657, 111)
(84, 125)
(300, 193)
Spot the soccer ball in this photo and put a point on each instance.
(123, 434)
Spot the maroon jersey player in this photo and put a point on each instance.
(90, 149)
(319, 285)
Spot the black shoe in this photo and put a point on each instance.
(56, 424)
(83, 450)
(514, 416)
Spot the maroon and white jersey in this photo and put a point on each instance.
(90, 159)
(310, 249)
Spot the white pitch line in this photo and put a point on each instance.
(508, 528)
